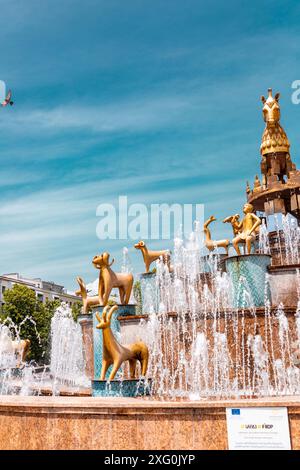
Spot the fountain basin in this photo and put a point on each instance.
(121, 388)
(248, 275)
(88, 423)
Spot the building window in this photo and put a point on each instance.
(40, 297)
(3, 289)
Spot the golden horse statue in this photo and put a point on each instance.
(274, 138)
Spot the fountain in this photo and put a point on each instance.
(213, 331)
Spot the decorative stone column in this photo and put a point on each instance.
(86, 323)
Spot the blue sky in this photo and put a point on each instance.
(157, 100)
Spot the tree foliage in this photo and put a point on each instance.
(76, 310)
(32, 318)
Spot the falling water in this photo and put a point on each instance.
(263, 241)
(126, 262)
(67, 360)
(202, 346)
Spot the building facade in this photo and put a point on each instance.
(44, 290)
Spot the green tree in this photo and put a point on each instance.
(137, 292)
(76, 310)
(21, 302)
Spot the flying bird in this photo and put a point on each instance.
(7, 99)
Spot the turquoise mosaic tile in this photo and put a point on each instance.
(248, 275)
(121, 388)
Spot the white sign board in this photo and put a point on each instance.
(258, 428)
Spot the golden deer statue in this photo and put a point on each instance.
(18, 347)
(213, 244)
(149, 255)
(21, 349)
(114, 354)
(108, 279)
(82, 292)
(86, 301)
(295, 347)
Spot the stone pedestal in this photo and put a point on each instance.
(248, 276)
(86, 323)
(121, 388)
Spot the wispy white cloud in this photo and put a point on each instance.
(120, 110)
(134, 115)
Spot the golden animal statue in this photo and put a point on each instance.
(87, 302)
(114, 354)
(248, 228)
(274, 138)
(19, 348)
(295, 347)
(213, 244)
(149, 255)
(234, 220)
(108, 279)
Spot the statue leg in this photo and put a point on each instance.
(122, 295)
(101, 291)
(235, 243)
(25, 350)
(115, 369)
(106, 296)
(128, 292)
(132, 367)
(144, 361)
(249, 244)
(104, 368)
